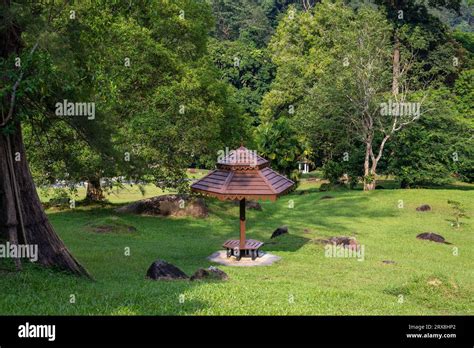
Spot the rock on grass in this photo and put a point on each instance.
(432, 237)
(424, 207)
(168, 205)
(162, 270)
(211, 273)
(388, 262)
(346, 242)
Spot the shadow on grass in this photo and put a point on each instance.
(114, 296)
(287, 242)
(310, 212)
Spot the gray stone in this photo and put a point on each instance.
(211, 273)
(346, 242)
(424, 207)
(168, 205)
(432, 237)
(162, 270)
(388, 262)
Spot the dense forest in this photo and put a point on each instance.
(358, 89)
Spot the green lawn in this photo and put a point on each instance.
(426, 276)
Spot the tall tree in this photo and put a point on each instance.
(342, 77)
(414, 28)
(248, 68)
(22, 218)
(79, 52)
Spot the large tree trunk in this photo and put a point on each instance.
(25, 217)
(94, 191)
(22, 218)
(370, 186)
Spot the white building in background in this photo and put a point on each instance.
(303, 166)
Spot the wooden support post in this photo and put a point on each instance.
(242, 224)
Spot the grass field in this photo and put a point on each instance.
(426, 279)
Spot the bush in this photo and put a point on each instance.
(59, 197)
(278, 142)
(333, 171)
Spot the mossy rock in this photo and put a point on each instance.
(168, 205)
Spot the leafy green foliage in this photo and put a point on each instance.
(160, 103)
(459, 16)
(187, 121)
(247, 68)
(434, 147)
(420, 31)
(184, 96)
(342, 172)
(318, 87)
(241, 19)
(278, 142)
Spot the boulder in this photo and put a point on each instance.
(212, 273)
(168, 205)
(424, 207)
(432, 237)
(346, 242)
(162, 270)
(279, 231)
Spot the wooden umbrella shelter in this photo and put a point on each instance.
(241, 175)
